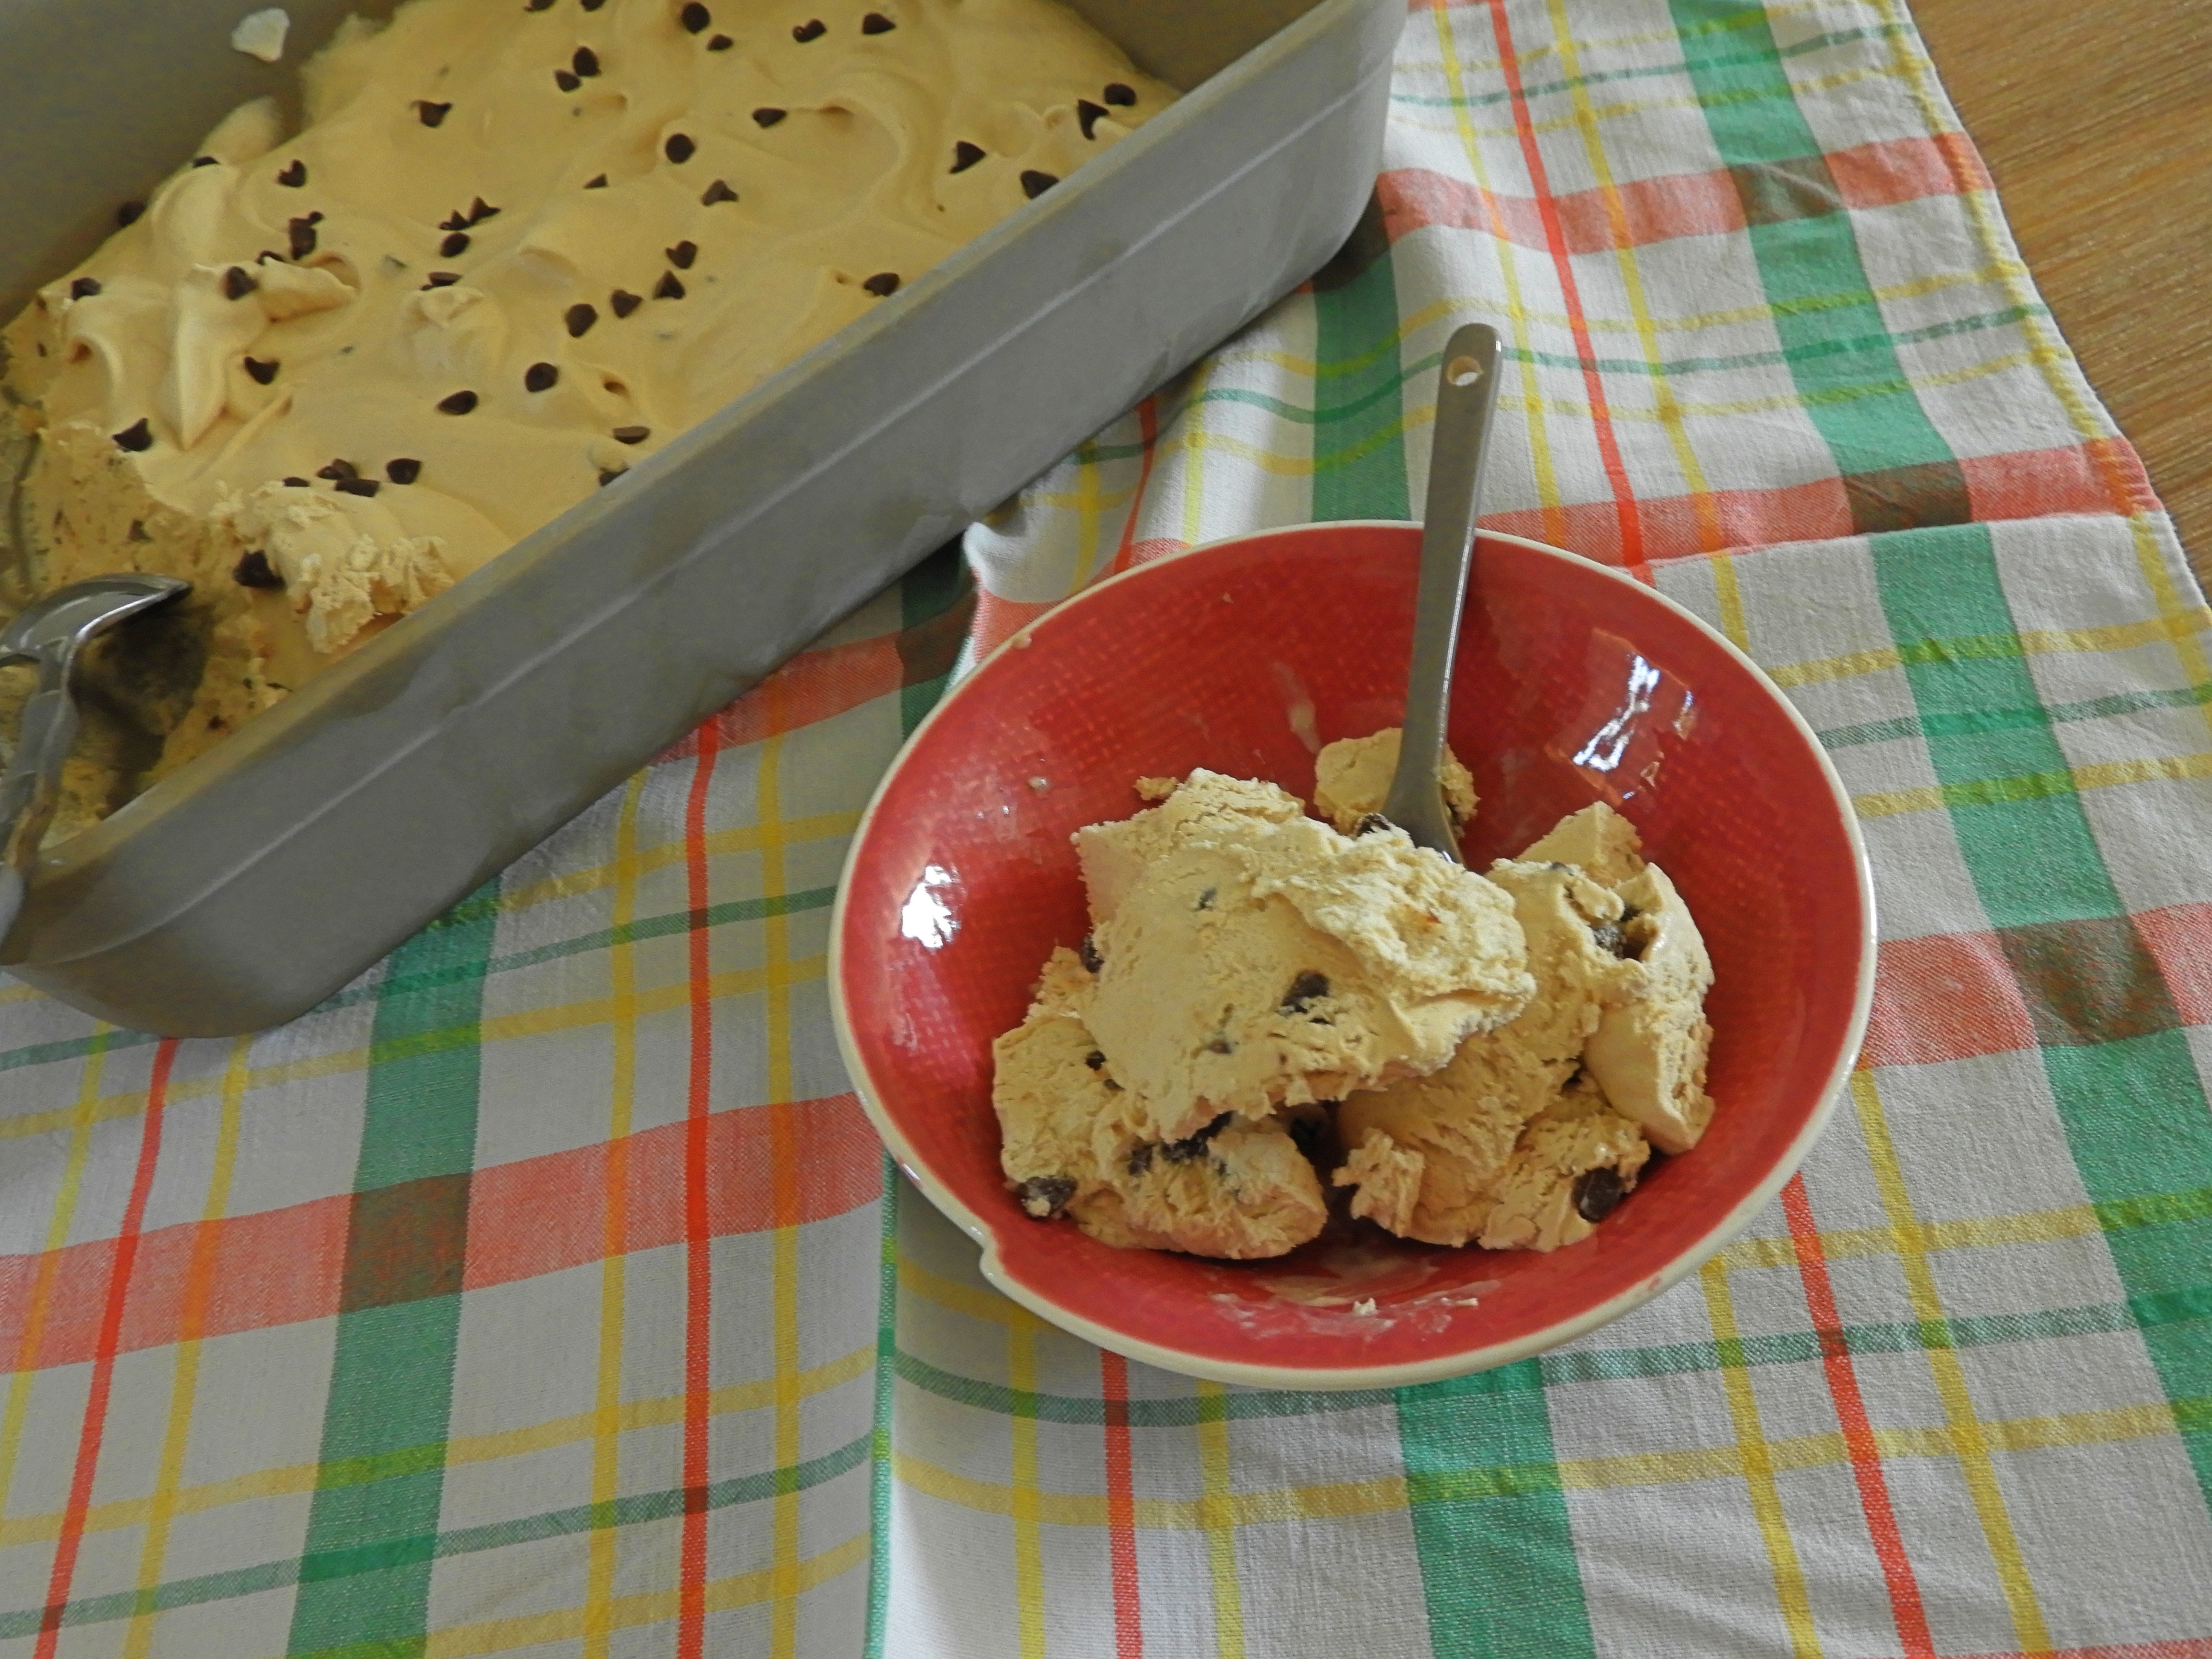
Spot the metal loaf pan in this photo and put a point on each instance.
(246, 887)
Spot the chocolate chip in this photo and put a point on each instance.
(83, 289)
(430, 114)
(1087, 115)
(402, 469)
(262, 373)
(238, 282)
(720, 43)
(668, 287)
(1598, 1193)
(812, 29)
(202, 160)
(315, 217)
(597, 181)
(359, 486)
(694, 16)
(459, 403)
(1120, 92)
(1370, 823)
(1043, 1197)
(630, 434)
(1205, 899)
(338, 469)
(1610, 937)
(609, 474)
(1095, 1060)
(679, 148)
(883, 284)
(442, 279)
(624, 301)
(586, 62)
(480, 210)
(538, 5)
(129, 213)
(454, 245)
(876, 23)
(135, 437)
(294, 175)
(593, 5)
(1218, 1043)
(682, 254)
(301, 235)
(1139, 1161)
(567, 80)
(1193, 1146)
(1089, 952)
(1306, 988)
(1035, 184)
(768, 115)
(297, 483)
(965, 156)
(456, 219)
(579, 318)
(540, 377)
(717, 192)
(254, 570)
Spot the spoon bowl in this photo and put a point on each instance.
(62, 622)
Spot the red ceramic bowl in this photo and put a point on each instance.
(1575, 683)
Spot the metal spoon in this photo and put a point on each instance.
(51, 632)
(1467, 393)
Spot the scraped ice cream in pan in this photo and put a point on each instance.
(1270, 1007)
(516, 246)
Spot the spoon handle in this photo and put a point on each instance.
(1466, 394)
(31, 779)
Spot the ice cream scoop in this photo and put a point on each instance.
(1466, 394)
(51, 632)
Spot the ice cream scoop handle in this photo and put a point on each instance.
(29, 787)
(1466, 394)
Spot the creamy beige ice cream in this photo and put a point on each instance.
(1352, 778)
(1244, 960)
(1252, 959)
(1074, 1144)
(515, 248)
(1535, 1131)
(1496, 1056)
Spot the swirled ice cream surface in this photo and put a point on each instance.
(512, 248)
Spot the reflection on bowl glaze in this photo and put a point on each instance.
(927, 916)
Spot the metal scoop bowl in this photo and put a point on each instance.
(51, 632)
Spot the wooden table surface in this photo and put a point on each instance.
(2095, 117)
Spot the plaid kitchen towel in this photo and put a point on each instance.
(543, 1292)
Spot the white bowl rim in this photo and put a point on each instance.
(1462, 1362)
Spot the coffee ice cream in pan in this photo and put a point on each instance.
(323, 374)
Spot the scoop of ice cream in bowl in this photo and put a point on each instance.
(1484, 1109)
